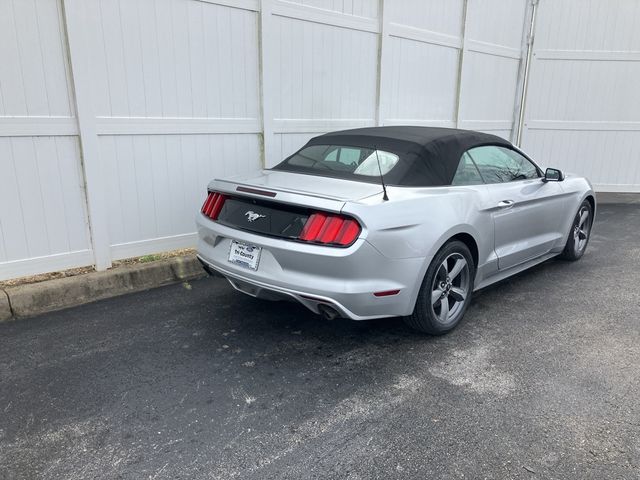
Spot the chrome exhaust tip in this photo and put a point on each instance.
(328, 312)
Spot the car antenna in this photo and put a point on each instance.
(384, 188)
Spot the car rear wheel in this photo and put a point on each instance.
(445, 292)
(579, 234)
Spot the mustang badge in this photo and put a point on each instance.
(253, 216)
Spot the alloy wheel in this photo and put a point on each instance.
(450, 288)
(581, 229)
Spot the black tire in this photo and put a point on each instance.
(579, 234)
(427, 316)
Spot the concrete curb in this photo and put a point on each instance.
(36, 298)
(5, 307)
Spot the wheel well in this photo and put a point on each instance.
(592, 202)
(471, 244)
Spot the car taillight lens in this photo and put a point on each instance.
(330, 229)
(213, 204)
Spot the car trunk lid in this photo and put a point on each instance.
(297, 187)
(280, 203)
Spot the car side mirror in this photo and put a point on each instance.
(553, 175)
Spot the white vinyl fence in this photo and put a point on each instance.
(583, 102)
(115, 114)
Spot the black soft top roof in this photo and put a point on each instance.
(429, 155)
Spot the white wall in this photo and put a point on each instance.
(583, 104)
(166, 97)
(175, 89)
(321, 69)
(114, 114)
(421, 62)
(43, 218)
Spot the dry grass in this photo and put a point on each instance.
(82, 270)
(154, 257)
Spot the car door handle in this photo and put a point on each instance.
(506, 204)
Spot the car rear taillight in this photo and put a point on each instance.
(213, 204)
(328, 229)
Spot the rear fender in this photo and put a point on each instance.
(415, 223)
(441, 242)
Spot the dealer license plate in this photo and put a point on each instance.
(245, 255)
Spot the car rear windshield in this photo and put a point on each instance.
(341, 161)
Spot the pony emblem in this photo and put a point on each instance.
(253, 216)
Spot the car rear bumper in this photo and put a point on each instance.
(319, 277)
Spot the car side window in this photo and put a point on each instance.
(500, 164)
(467, 173)
(345, 155)
(332, 156)
(349, 156)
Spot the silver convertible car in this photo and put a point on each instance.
(392, 221)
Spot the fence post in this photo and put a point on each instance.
(383, 56)
(266, 84)
(523, 73)
(461, 64)
(75, 20)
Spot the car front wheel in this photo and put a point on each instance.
(580, 233)
(445, 292)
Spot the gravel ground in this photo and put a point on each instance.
(541, 380)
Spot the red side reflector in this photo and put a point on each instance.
(386, 293)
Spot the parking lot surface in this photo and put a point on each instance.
(540, 380)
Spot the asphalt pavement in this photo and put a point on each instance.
(540, 380)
